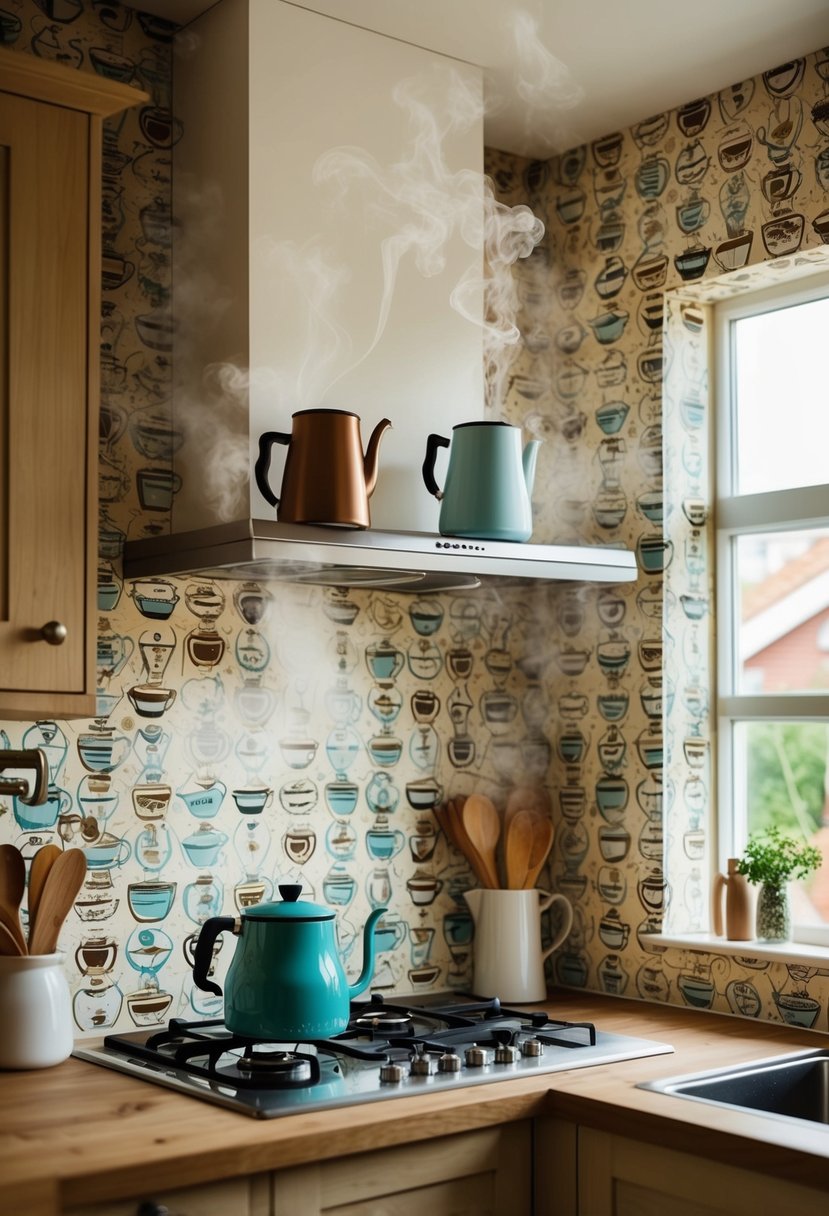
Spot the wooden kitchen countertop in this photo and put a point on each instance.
(79, 1133)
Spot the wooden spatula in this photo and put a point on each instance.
(12, 886)
(42, 863)
(454, 810)
(482, 825)
(519, 843)
(63, 883)
(542, 843)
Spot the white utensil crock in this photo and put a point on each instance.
(35, 1012)
(507, 954)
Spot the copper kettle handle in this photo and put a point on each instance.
(263, 463)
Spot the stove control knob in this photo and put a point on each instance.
(422, 1066)
(450, 1061)
(477, 1057)
(532, 1047)
(391, 1073)
(505, 1053)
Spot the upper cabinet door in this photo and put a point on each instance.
(50, 311)
(44, 234)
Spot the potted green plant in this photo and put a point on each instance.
(771, 860)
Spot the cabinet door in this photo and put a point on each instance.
(619, 1177)
(482, 1173)
(235, 1197)
(45, 260)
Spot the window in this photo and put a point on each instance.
(772, 437)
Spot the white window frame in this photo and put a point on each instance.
(740, 515)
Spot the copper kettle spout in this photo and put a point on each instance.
(370, 467)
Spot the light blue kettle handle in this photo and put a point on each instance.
(432, 444)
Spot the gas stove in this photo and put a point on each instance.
(390, 1048)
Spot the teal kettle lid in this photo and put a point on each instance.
(290, 907)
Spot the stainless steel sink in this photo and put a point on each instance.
(789, 1087)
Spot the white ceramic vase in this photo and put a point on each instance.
(35, 1011)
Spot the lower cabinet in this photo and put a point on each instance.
(621, 1177)
(235, 1197)
(481, 1173)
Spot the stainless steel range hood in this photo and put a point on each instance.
(265, 550)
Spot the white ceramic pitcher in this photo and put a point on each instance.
(507, 953)
(35, 1012)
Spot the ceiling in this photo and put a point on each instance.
(559, 74)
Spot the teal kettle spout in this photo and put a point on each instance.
(529, 458)
(367, 973)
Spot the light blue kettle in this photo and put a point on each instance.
(286, 980)
(488, 483)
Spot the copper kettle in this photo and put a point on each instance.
(327, 479)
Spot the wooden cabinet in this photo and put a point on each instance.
(236, 1197)
(621, 1177)
(468, 1174)
(480, 1173)
(50, 285)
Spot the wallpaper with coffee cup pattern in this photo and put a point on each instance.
(646, 228)
(249, 734)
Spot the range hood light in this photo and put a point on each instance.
(403, 561)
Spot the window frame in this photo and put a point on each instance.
(739, 515)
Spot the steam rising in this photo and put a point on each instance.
(544, 84)
(422, 203)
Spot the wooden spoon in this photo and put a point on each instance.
(12, 886)
(519, 842)
(542, 843)
(63, 883)
(482, 825)
(464, 844)
(42, 863)
(526, 798)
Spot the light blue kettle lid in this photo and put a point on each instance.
(290, 907)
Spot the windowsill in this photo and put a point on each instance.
(777, 952)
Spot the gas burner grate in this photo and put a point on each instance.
(379, 1031)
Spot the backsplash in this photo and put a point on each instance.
(695, 204)
(249, 734)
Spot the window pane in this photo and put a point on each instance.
(781, 767)
(783, 612)
(780, 371)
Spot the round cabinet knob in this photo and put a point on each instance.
(150, 1208)
(54, 632)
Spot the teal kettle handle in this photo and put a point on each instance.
(432, 444)
(263, 463)
(203, 953)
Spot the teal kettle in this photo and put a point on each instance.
(489, 481)
(285, 980)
